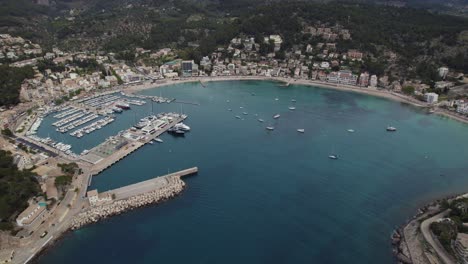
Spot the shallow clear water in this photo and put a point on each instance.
(274, 197)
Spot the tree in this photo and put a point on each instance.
(409, 90)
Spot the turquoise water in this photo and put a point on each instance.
(274, 197)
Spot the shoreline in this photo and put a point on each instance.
(320, 84)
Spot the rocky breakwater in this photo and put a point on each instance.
(95, 213)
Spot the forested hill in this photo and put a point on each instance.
(418, 37)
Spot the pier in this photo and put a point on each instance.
(130, 197)
(149, 185)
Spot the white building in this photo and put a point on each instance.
(95, 198)
(373, 81)
(431, 98)
(443, 71)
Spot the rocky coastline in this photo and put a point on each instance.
(97, 213)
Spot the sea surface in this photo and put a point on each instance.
(273, 196)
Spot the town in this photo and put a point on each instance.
(80, 87)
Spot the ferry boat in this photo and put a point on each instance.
(333, 156)
(391, 129)
(270, 128)
(123, 105)
(292, 108)
(276, 116)
(301, 130)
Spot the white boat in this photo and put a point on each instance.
(151, 142)
(261, 120)
(292, 108)
(238, 117)
(229, 109)
(351, 130)
(333, 156)
(276, 99)
(158, 140)
(270, 128)
(293, 100)
(276, 116)
(245, 113)
(391, 129)
(301, 130)
(182, 126)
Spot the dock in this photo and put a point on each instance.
(103, 157)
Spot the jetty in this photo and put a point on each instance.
(120, 200)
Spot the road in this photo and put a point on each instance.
(425, 229)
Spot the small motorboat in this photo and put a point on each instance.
(270, 128)
(276, 116)
(238, 117)
(230, 110)
(293, 100)
(333, 156)
(292, 108)
(151, 142)
(261, 120)
(301, 130)
(158, 140)
(276, 99)
(245, 113)
(351, 130)
(391, 129)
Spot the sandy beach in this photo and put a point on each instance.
(369, 91)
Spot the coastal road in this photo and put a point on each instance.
(425, 229)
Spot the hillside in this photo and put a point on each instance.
(416, 38)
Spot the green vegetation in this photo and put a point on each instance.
(63, 181)
(445, 231)
(7, 132)
(409, 90)
(10, 83)
(68, 168)
(16, 188)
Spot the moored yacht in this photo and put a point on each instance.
(158, 140)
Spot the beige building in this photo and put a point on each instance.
(460, 246)
(34, 212)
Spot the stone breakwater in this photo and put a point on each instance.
(96, 213)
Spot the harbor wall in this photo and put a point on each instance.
(143, 194)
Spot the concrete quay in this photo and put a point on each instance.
(133, 196)
(120, 154)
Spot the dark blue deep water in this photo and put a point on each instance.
(273, 197)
